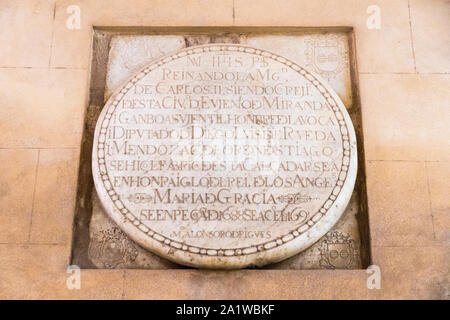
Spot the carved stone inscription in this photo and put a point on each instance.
(224, 156)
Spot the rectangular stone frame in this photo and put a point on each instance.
(407, 162)
(101, 37)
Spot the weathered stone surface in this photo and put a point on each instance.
(26, 26)
(310, 258)
(397, 220)
(17, 174)
(129, 54)
(439, 185)
(57, 124)
(111, 248)
(326, 54)
(429, 35)
(24, 268)
(53, 216)
(412, 138)
(224, 156)
(338, 249)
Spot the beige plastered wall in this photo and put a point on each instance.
(404, 81)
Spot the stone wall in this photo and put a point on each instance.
(403, 70)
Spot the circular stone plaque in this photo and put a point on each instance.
(224, 156)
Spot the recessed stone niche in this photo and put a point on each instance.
(118, 54)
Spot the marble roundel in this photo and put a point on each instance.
(224, 156)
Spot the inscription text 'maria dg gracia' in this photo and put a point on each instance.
(224, 156)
